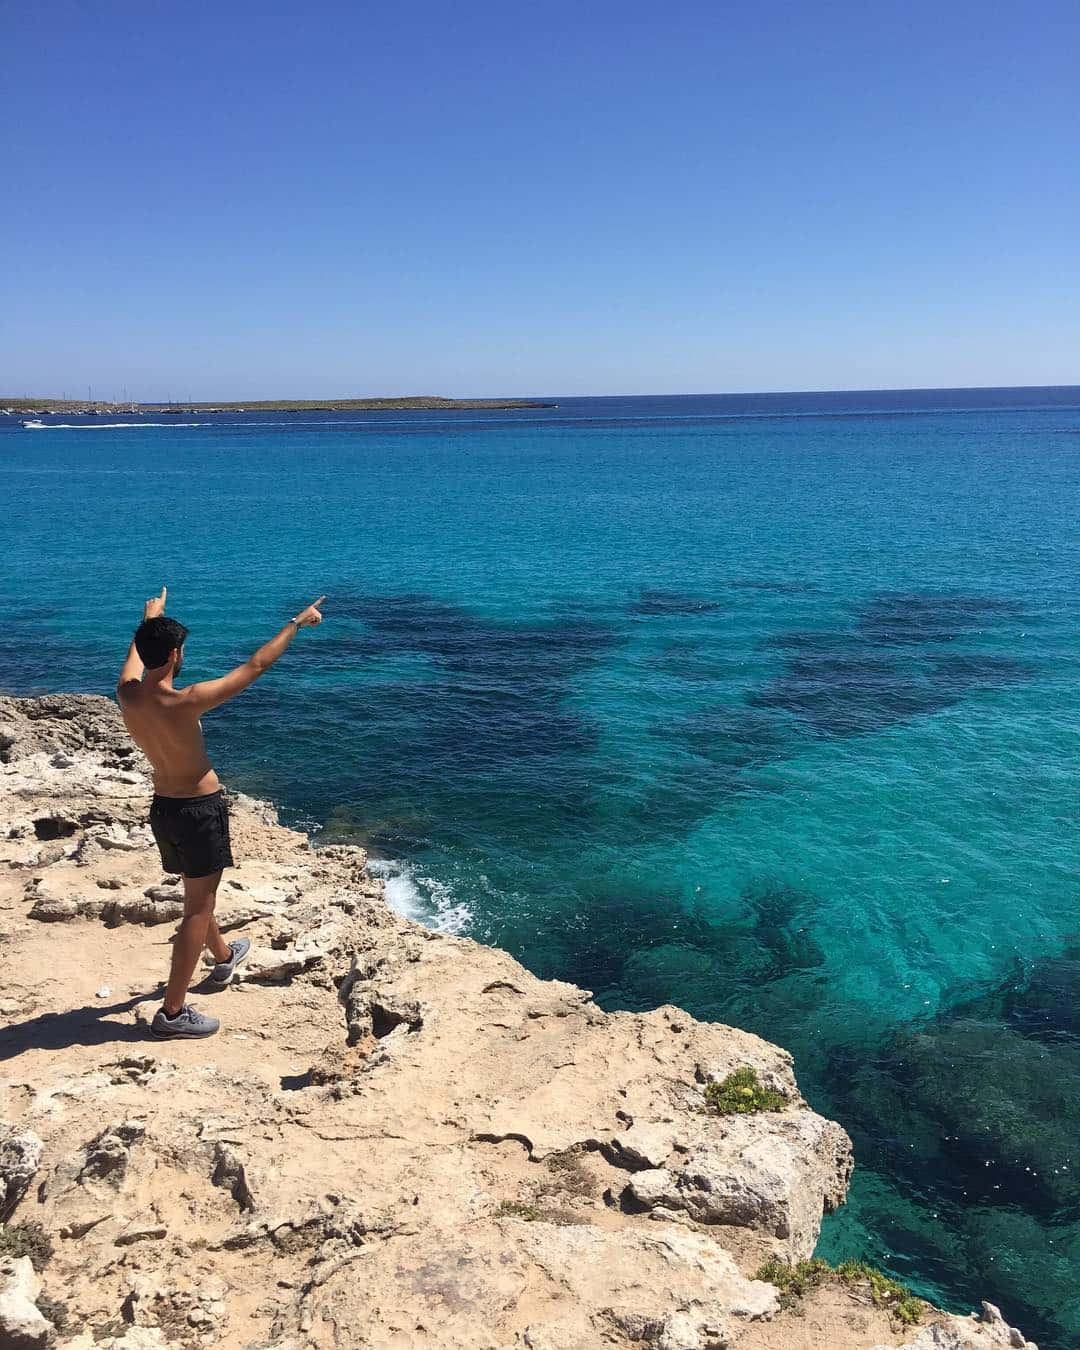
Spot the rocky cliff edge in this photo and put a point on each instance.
(398, 1139)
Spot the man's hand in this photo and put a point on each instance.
(155, 606)
(308, 618)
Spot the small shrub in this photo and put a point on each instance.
(886, 1292)
(741, 1093)
(514, 1209)
(27, 1239)
(794, 1281)
(566, 1175)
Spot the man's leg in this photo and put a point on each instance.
(216, 944)
(199, 896)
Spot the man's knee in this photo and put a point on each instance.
(200, 894)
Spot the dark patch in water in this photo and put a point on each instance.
(694, 663)
(34, 660)
(976, 1115)
(918, 617)
(780, 929)
(1047, 1007)
(643, 949)
(730, 739)
(483, 708)
(887, 668)
(654, 601)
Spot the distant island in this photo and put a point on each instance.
(422, 402)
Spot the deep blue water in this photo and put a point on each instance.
(764, 705)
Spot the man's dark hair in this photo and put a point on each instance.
(156, 638)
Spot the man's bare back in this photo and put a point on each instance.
(189, 815)
(166, 728)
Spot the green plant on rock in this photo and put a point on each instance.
(27, 1239)
(741, 1093)
(886, 1292)
(515, 1209)
(794, 1282)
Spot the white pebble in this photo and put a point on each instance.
(104, 991)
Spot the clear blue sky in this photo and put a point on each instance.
(213, 199)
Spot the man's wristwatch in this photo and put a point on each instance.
(297, 624)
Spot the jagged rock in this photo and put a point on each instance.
(266, 812)
(341, 1064)
(64, 724)
(230, 1174)
(22, 1326)
(139, 909)
(311, 949)
(107, 1155)
(165, 895)
(134, 1338)
(113, 836)
(130, 1236)
(983, 1331)
(58, 898)
(20, 1158)
(645, 1145)
(54, 909)
(757, 1173)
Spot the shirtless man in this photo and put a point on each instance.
(189, 815)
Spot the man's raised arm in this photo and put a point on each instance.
(212, 693)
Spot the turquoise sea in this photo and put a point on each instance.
(765, 705)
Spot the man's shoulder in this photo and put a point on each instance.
(127, 691)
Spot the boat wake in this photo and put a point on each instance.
(102, 426)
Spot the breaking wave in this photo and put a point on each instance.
(419, 897)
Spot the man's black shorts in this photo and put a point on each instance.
(192, 833)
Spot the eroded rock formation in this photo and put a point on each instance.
(398, 1138)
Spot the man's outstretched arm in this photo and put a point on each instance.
(132, 669)
(212, 693)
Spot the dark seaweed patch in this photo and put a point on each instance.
(978, 1112)
(1047, 1006)
(642, 949)
(654, 601)
(484, 704)
(730, 738)
(781, 932)
(887, 668)
(917, 618)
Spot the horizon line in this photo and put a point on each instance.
(712, 393)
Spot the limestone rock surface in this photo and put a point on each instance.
(398, 1138)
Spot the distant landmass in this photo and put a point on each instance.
(422, 402)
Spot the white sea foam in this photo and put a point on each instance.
(103, 426)
(420, 898)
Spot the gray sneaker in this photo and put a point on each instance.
(188, 1024)
(223, 972)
